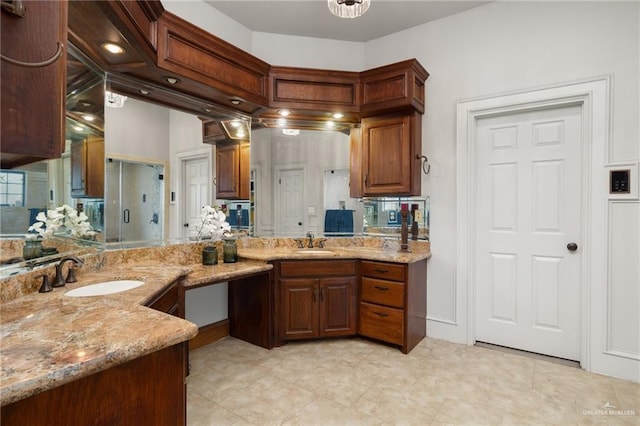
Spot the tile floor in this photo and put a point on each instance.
(358, 382)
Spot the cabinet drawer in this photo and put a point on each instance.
(381, 322)
(317, 268)
(383, 292)
(385, 271)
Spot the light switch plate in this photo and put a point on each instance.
(615, 169)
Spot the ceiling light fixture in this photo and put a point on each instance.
(348, 8)
(171, 80)
(284, 112)
(113, 48)
(291, 132)
(235, 101)
(144, 91)
(88, 117)
(337, 115)
(78, 128)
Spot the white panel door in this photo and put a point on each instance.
(289, 208)
(196, 190)
(528, 198)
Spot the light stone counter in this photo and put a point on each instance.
(49, 339)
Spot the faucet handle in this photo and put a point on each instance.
(320, 242)
(300, 242)
(45, 287)
(71, 275)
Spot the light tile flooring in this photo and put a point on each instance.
(358, 382)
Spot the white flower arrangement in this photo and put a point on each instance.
(213, 225)
(63, 220)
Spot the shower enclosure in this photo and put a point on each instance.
(134, 201)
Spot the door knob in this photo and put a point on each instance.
(572, 247)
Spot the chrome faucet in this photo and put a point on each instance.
(310, 237)
(71, 276)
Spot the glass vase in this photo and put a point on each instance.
(32, 249)
(230, 251)
(210, 255)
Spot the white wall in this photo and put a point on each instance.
(511, 46)
(308, 52)
(139, 130)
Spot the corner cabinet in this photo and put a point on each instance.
(87, 168)
(317, 299)
(384, 156)
(233, 170)
(393, 304)
(33, 98)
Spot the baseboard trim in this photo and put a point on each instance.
(209, 334)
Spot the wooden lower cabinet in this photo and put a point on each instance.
(317, 299)
(393, 305)
(170, 300)
(150, 390)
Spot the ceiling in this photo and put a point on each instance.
(311, 18)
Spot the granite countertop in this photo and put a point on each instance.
(49, 339)
(362, 253)
(202, 275)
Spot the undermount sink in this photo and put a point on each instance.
(314, 251)
(107, 287)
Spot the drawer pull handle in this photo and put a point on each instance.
(381, 314)
(381, 288)
(381, 271)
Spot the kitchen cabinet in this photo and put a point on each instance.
(393, 304)
(317, 299)
(87, 168)
(150, 390)
(233, 170)
(384, 156)
(33, 98)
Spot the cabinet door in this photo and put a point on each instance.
(87, 168)
(299, 308)
(33, 99)
(387, 155)
(338, 305)
(227, 171)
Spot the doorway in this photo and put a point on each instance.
(196, 192)
(528, 226)
(289, 201)
(134, 201)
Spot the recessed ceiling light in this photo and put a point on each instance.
(291, 132)
(86, 103)
(206, 109)
(88, 117)
(171, 80)
(284, 112)
(113, 48)
(78, 128)
(337, 115)
(144, 91)
(235, 101)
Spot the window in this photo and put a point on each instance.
(12, 186)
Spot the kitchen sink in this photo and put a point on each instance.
(107, 287)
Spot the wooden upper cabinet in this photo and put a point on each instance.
(191, 52)
(393, 88)
(87, 168)
(313, 89)
(213, 132)
(33, 98)
(233, 170)
(387, 148)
